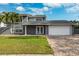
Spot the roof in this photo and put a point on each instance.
(29, 15)
(25, 15)
(59, 22)
(37, 16)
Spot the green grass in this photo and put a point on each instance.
(24, 45)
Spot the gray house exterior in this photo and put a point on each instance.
(38, 25)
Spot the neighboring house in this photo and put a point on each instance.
(38, 25)
(2, 24)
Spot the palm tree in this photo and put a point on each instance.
(13, 17)
(1, 17)
(76, 23)
(10, 18)
(5, 17)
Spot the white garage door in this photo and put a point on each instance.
(59, 30)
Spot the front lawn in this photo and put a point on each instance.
(24, 45)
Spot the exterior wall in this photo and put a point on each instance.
(23, 29)
(32, 19)
(46, 30)
(31, 29)
(17, 28)
(36, 19)
(60, 30)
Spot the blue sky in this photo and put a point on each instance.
(53, 11)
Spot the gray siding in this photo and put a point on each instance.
(16, 27)
(31, 30)
(46, 30)
(24, 29)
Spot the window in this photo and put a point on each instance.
(32, 19)
(39, 19)
(18, 30)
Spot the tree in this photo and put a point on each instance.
(76, 23)
(5, 17)
(10, 18)
(1, 17)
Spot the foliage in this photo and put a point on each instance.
(75, 23)
(9, 17)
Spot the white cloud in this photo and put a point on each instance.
(73, 9)
(20, 8)
(18, 3)
(45, 8)
(39, 10)
(68, 4)
(52, 4)
(4, 3)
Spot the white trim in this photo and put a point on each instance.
(27, 18)
(40, 29)
(11, 29)
(25, 30)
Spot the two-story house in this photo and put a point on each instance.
(38, 25)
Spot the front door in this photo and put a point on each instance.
(39, 30)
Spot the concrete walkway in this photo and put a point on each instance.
(65, 45)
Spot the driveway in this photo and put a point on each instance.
(65, 45)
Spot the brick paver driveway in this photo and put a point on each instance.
(65, 45)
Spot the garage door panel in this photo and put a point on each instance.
(59, 30)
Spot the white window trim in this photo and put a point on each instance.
(40, 29)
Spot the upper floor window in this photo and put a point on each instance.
(35, 19)
(31, 19)
(39, 19)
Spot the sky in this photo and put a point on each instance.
(53, 11)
